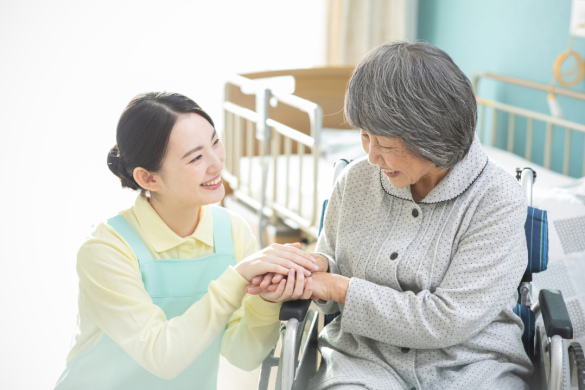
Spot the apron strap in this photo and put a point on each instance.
(124, 229)
(222, 231)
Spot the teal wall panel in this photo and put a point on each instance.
(519, 38)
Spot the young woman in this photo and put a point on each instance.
(161, 284)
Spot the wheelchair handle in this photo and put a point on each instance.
(527, 177)
(294, 309)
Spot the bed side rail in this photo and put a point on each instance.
(253, 139)
(552, 124)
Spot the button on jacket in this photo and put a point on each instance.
(433, 284)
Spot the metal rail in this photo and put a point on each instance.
(525, 83)
(552, 124)
(240, 122)
(289, 354)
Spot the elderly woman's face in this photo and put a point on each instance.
(397, 163)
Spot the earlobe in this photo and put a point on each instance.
(147, 180)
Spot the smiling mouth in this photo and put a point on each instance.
(212, 182)
(390, 171)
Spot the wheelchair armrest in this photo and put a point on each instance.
(554, 314)
(294, 309)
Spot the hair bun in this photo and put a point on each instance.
(118, 168)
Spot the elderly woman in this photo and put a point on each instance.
(423, 239)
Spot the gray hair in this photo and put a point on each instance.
(416, 92)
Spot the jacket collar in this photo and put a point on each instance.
(160, 236)
(457, 181)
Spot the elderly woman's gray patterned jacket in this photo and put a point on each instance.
(433, 284)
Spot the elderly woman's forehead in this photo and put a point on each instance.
(383, 138)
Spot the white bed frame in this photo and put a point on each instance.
(280, 132)
(552, 123)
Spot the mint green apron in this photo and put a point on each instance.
(174, 285)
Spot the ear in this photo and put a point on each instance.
(148, 180)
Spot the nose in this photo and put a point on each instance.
(217, 159)
(374, 155)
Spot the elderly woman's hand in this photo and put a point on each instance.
(327, 286)
(271, 278)
(321, 261)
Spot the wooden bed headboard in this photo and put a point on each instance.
(323, 86)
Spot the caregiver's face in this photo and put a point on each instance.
(193, 163)
(397, 163)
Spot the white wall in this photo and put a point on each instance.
(67, 70)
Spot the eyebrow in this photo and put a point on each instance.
(388, 146)
(198, 148)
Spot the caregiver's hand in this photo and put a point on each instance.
(290, 289)
(277, 259)
(273, 279)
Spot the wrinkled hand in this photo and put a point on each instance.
(289, 289)
(277, 259)
(321, 286)
(321, 262)
(327, 286)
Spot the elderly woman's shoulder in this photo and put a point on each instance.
(500, 182)
(359, 167)
(358, 174)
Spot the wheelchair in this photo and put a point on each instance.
(558, 364)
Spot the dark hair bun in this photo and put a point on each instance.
(118, 168)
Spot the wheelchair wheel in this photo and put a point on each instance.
(577, 366)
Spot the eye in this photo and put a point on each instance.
(216, 142)
(195, 159)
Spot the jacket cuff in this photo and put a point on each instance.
(356, 310)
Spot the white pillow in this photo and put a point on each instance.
(510, 161)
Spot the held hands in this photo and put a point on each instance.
(271, 280)
(278, 287)
(321, 285)
(289, 289)
(277, 259)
